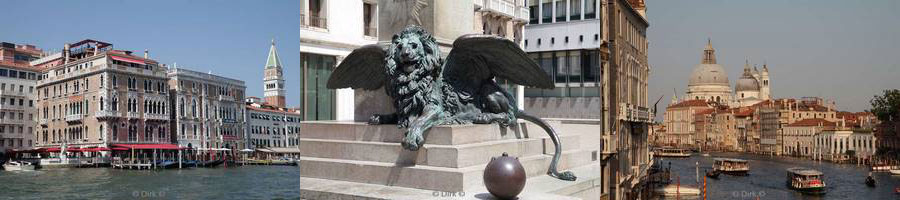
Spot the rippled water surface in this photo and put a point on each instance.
(768, 176)
(243, 182)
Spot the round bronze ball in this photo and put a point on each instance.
(504, 177)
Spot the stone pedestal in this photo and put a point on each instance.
(452, 159)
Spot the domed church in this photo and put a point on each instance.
(709, 81)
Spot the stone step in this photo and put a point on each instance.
(453, 156)
(440, 135)
(425, 177)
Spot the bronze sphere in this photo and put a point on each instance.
(504, 177)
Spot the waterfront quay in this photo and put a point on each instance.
(232, 182)
(767, 177)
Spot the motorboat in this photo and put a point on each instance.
(731, 166)
(672, 152)
(870, 181)
(805, 180)
(713, 174)
(18, 166)
(677, 190)
(895, 172)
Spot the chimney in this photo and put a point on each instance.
(146, 54)
(96, 48)
(66, 53)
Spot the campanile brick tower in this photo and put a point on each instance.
(274, 79)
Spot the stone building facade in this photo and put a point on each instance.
(98, 96)
(208, 109)
(269, 126)
(17, 80)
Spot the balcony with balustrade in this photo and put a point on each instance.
(504, 8)
(74, 118)
(634, 113)
(155, 117)
(107, 114)
(133, 115)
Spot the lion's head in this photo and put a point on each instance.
(413, 50)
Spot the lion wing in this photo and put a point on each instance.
(477, 58)
(363, 68)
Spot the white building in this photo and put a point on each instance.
(798, 137)
(839, 144)
(709, 81)
(209, 109)
(329, 31)
(17, 96)
(269, 126)
(567, 39)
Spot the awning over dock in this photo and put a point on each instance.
(149, 146)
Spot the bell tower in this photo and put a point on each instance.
(274, 79)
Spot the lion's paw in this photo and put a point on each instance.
(413, 141)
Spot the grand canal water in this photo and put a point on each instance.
(767, 179)
(233, 182)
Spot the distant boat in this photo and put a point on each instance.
(165, 164)
(672, 152)
(870, 181)
(705, 155)
(731, 166)
(808, 181)
(895, 172)
(210, 163)
(676, 190)
(713, 174)
(18, 166)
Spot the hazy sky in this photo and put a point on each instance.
(846, 51)
(229, 38)
(842, 50)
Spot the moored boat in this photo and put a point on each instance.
(895, 172)
(805, 180)
(18, 166)
(210, 163)
(731, 166)
(672, 152)
(677, 190)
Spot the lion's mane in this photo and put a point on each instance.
(415, 90)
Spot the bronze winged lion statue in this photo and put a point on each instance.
(429, 91)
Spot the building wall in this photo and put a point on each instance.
(272, 128)
(323, 46)
(97, 101)
(17, 121)
(798, 140)
(209, 111)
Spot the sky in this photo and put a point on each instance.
(227, 38)
(846, 51)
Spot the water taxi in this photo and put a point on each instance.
(672, 190)
(731, 166)
(669, 152)
(18, 166)
(895, 171)
(805, 180)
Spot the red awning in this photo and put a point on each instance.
(131, 60)
(149, 146)
(54, 149)
(99, 149)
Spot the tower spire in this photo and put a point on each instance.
(709, 54)
(273, 79)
